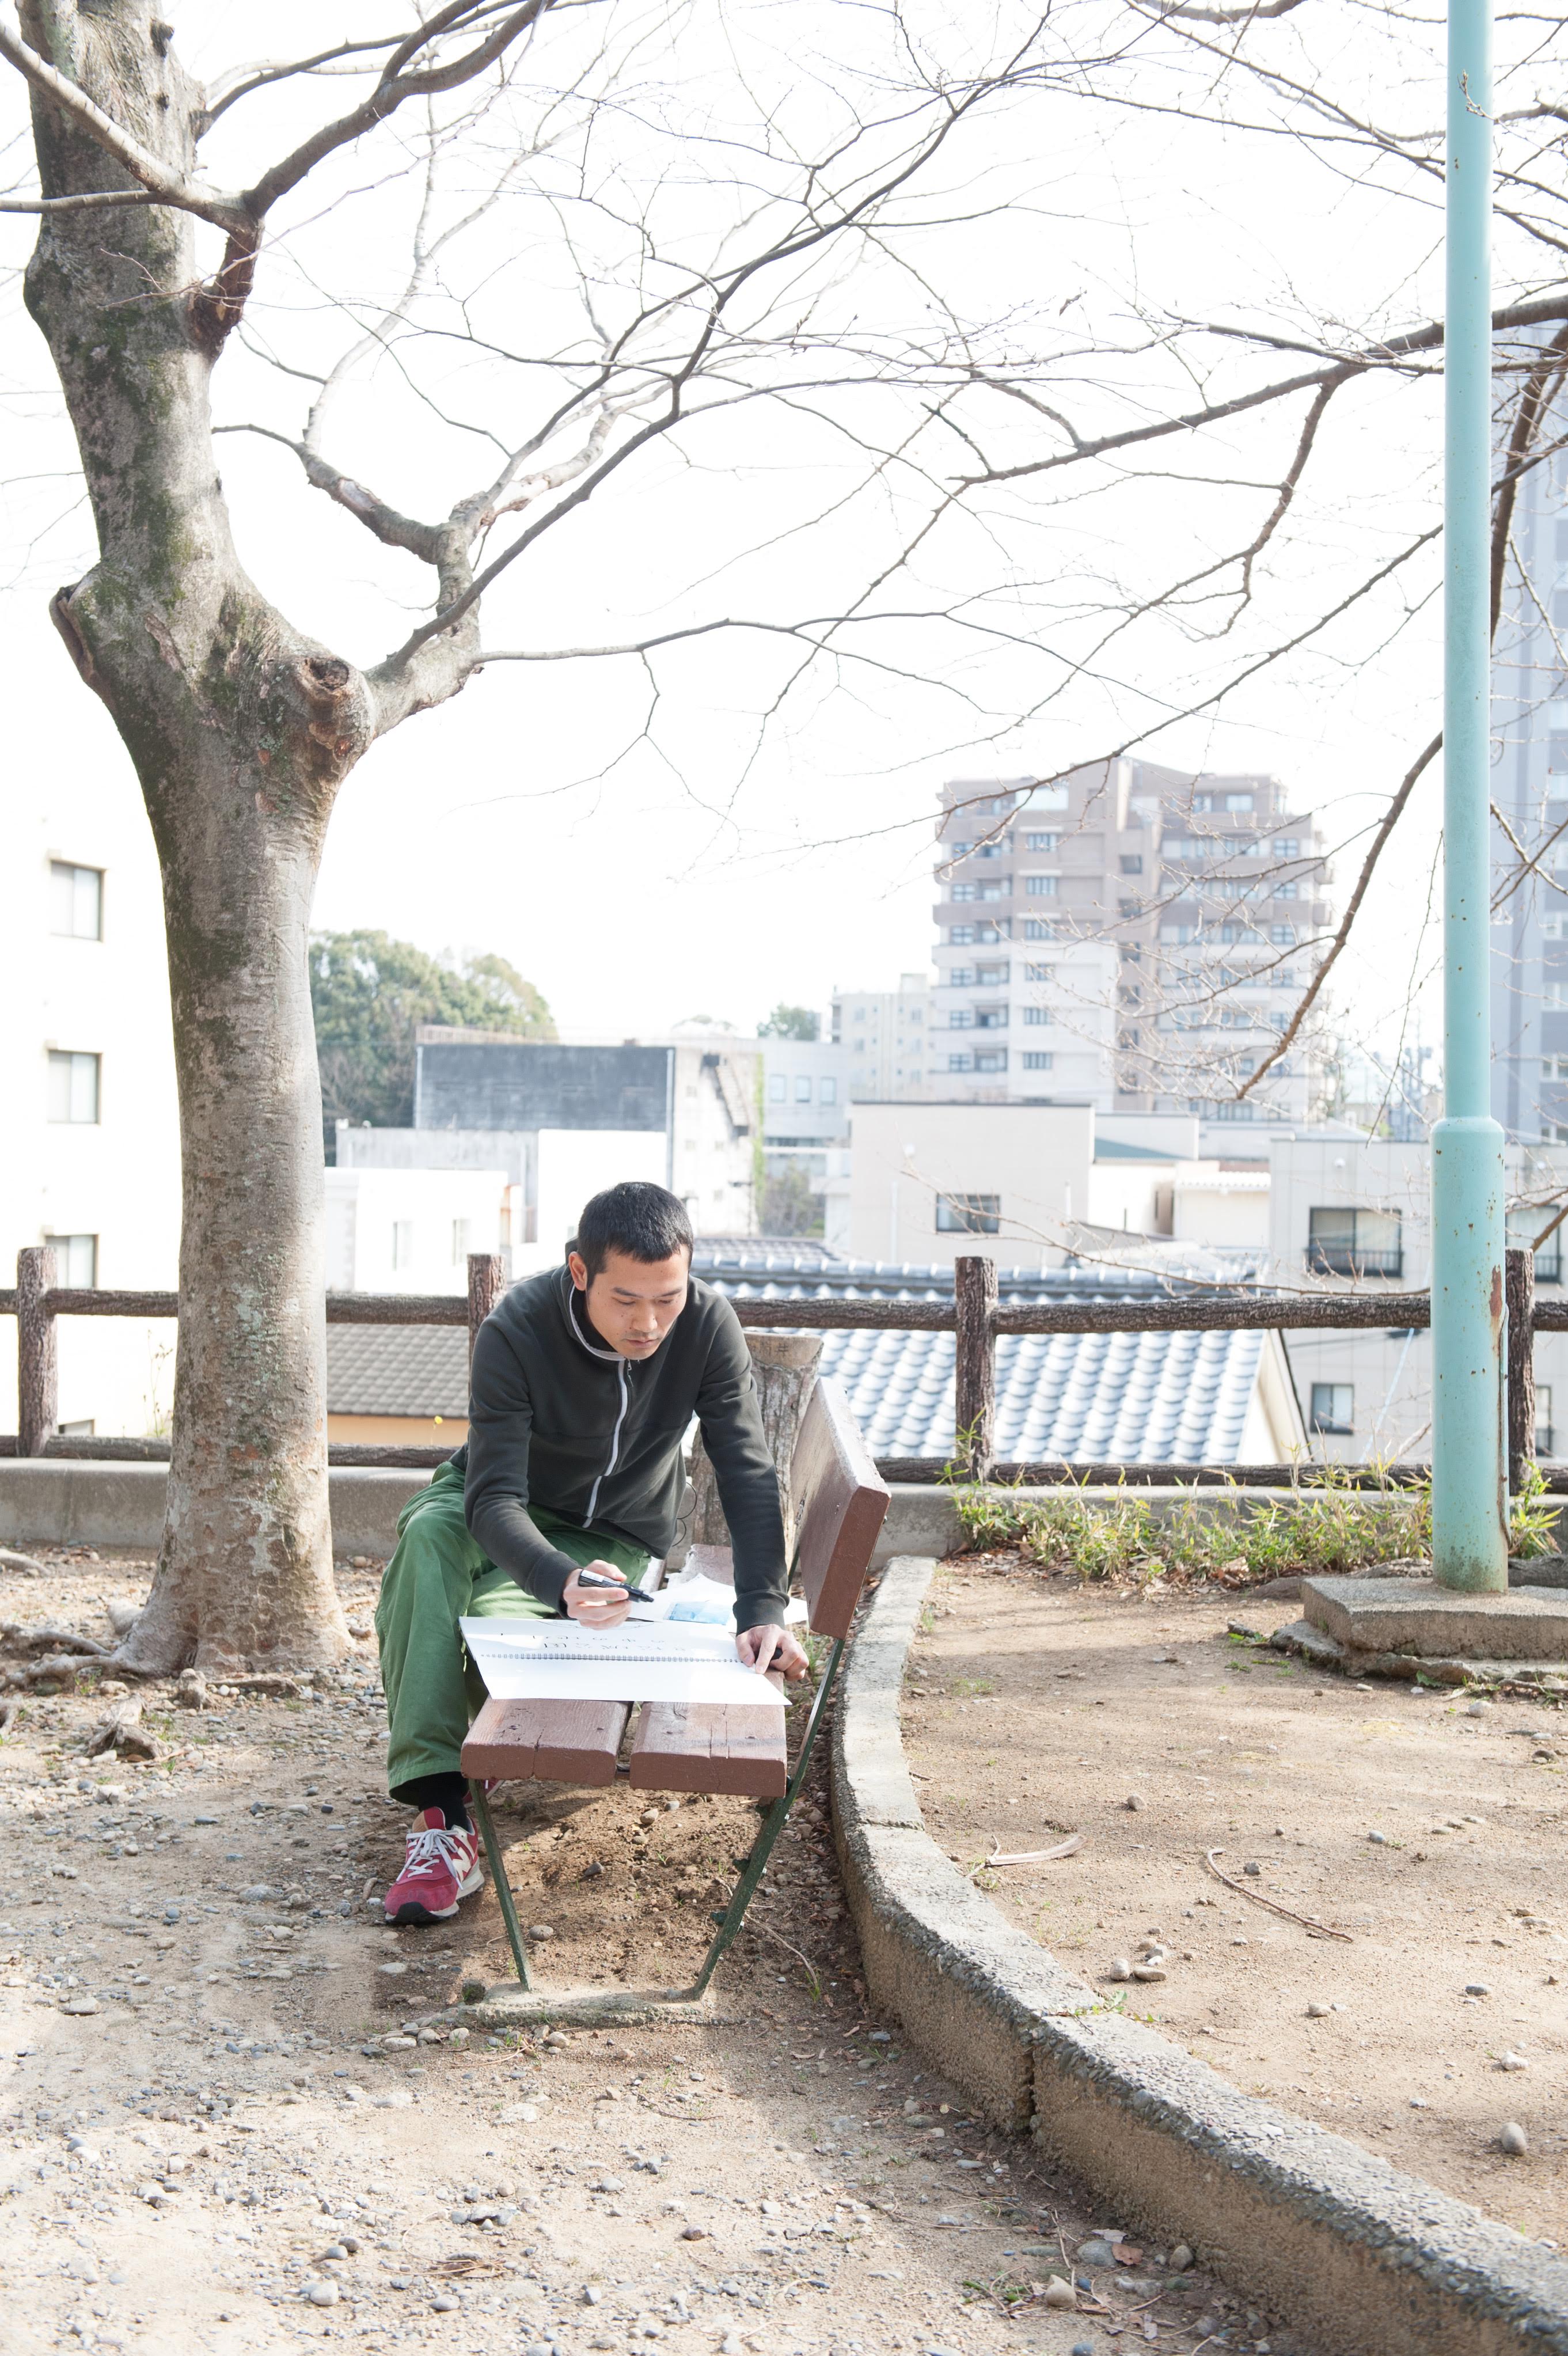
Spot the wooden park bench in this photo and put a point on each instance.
(840, 1502)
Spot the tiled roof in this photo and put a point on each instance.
(1126, 1397)
(397, 1370)
(1170, 1398)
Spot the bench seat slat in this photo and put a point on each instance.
(551, 1741)
(708, 1747)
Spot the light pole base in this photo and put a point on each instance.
(1469, 1452)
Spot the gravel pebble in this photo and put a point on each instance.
(1511, 2138)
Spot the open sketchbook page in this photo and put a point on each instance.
(555, 1660)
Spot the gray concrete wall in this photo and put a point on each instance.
(49, 1502)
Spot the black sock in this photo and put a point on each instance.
(447, 1792)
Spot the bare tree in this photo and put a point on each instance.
(242, 725)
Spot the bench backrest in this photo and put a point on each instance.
(840, 1501)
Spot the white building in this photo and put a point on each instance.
(886, 1035)
(91, 1147)
(1355, 1214)
(410, 1230)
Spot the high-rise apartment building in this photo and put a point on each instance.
(886, 1035)
(1131, 936)
(1529, 875)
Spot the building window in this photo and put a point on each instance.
(1523, 1226)
(1286, 847)
(1543, 1419)
(777, 1087)
(991, 1059)
(1041, 887)
(827, 1090)
(966, 892)
(1039, 974)
(1037, 1014)
(402, 1243)
(962, 1018)
(802, 1087)
(1334, 1406)
(968, 1215)
(1354, 1243)
(1235, 802)
(960, 1063)
(73, 1087)
(76, 901)
(1041, 842)
(990, 1018)
(1132, 862)
(459, 1242)
(992, 976)
(1283, 936)
(961, 934)
(1288, 889)
(1035, 929)
(996, 891)
(1035, 1061)
(76, 1261)
(1557, 752)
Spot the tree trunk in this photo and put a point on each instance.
(241, 730)
(785, 1369)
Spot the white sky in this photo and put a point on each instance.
(709, 871)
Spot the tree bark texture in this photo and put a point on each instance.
(240, 730)
(975, 1364)
(784, 1366)
(38, 1350)
(1519, 1293)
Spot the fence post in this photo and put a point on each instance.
(37, 1359)
(487, 1283)
(975, 1364)
(1519, 1293)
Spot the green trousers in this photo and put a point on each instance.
(437, 1577)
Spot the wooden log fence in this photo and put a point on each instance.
(974, 1316)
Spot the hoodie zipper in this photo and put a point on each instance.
(614, 1444)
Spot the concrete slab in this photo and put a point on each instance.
(1415, 1616)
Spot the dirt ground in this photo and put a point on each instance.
(217, 2133)
(1428, 1825)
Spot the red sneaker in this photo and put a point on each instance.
(440, 1867)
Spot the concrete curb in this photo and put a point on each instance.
(1365, 2261)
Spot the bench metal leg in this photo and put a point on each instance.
(734, 1913)
(481, 1807)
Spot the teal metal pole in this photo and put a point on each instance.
(1469, 1457)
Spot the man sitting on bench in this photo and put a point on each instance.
(585, 1380)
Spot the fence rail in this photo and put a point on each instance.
(974, 1316)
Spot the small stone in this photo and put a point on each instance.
(1149, 1972)
(730, 2346)
(442, 2304)
(1084, 2348)
(77, 2007)
(591, 2294)
(1180, 2258)
(1059, 2292)
(1094, 2252)
(1253, 1869)
(322, 2294)
(1379, 1840)
(541, 1931)
(333, 2250)
(1315, 2011)
(1511, 2138)
(1478, 1987)
(1477, 1709)
(1120, 1970)
(1134, 1799)
(1512, 2062)
(519, 2114)
(397, 2044)
(396, 2098)
(458, 2036)
(607, 2184)
(693, 2233)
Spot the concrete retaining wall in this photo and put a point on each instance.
(1363, 2260)
(54, 1501)
(50, 1501)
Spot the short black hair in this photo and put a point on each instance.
(646, 1222)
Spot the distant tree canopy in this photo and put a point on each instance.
(791, 1023)
(368, 993)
